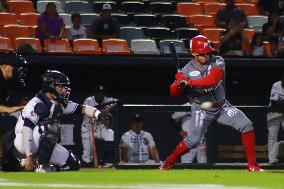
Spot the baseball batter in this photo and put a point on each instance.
(199, 152)
(101, 132)
(275, 120)
(204, 75)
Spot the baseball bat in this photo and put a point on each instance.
(175, 55)
(95, 156)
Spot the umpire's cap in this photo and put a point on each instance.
(136, 118)
(13, 59)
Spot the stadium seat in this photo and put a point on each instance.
(159, 33)
(144, 46)
(88, 18)
(57, 46)
(14, 31)
(212, 8)
(19, 7)
(179, 45)
(206, 1)
(86, 46)
(249, 9)
(133, 7)
(213, 34)
(256, 22)
(186, 33)
(41, 5)
(97, 6)
(66, 18)
(173, 21)
(77, 6)
(7, 18)
(145, 20)
(5, 44)
(249, 33)
(201, 21)
(161, 8)
(115, 46)
(34, 42)
(129, 33)
(29, 19)
(123, 19)
(187, 9)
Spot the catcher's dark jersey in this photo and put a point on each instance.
(215, 94)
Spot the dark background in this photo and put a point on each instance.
(146, 80)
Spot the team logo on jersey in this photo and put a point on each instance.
(145, 141)
(194, 73)
(232, 111)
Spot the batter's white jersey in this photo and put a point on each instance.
(138, 146)
(277, 93)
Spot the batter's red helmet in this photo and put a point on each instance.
(200, 44)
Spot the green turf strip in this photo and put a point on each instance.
(268, 179)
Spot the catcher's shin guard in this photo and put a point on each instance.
(45, 149)
(72, 164)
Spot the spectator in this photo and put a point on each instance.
(3, 6)
(77, 31)
(268, 6)
(272, 27)
(231, 12)
(280, 41)
(25, 48)
(137, 145)
(233, 40)
(106, 26)
(257, 46)
(50, 24)
(275, 119)
(183, 121)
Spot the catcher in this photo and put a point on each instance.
(37, 130)
(92, 128)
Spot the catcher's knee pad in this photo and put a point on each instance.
(45, 149)
(192, 141)
(72, 164)
(108, 135)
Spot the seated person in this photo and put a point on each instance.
(233, 40)
(231, 12)
(50, 24)
(137, 145)
(77, 31)
(106, 26)
(257, 46)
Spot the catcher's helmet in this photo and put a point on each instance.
(200, 44)
(52, 79)
(19, 64)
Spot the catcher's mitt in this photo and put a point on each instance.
(105, 116)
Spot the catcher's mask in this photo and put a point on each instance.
(57, 84)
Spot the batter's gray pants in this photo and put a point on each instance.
(273, 130)
(226, 115)
(199, 152)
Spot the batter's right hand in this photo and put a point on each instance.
(30, 163)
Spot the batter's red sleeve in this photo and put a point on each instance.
(214, 77)
(175, 90)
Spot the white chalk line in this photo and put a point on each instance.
(4, 182)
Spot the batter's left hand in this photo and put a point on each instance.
(179, 76)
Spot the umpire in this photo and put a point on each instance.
(13, 70)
